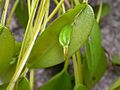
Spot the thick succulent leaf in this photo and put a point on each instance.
(22, 13)
(7, 44)
(61, 81)
(22, 84)
(8, 73)
(96, 60)
(81, 29)
(80, 87)
(105, 9)
(116, 85)
(116, 59)
(94, 48)
(47, 50)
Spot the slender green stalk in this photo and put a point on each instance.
(76, 2)
(24, 56)
(85, 1)
(79, 62)
(32, 79)
(63, 8)
(4, 14)
(29, 6)
(12, 12)
(56, 1)
(28, 31)
(46, 16)
(65, 51)
(99, 11)
(24, 72)
(32, 4)
(72, 3)
(75, 65)
(55, 10)
(40, 17)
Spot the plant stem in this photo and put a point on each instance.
(4, 14)
(12, 12)
(24, 56)
(79, 62)
(28, 31)
(65, 51)
(99, 11)
(56, 2)
(46, 16)
(32, 3)
(72, 3)
(75, 65)
(29, 7)
(63, 8)
(24, 72)
(32, 79)
(76, 2)
(85, 1)
(55, 10)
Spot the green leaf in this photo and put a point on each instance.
(116, 85)
(80, 87)
(22, 84)
(47, 50)
(116, 59)
(8, 73)
(61, 81)
(22, 13)
(17, 48)
(7, 45)
(96, 63)
(105, 10)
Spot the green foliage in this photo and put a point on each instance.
(61, 81)
(105, 9)
(60, 41)
(7, 46)
(80, 87)
(65, 35)
(48, 43)
(96, 61)
(22, 84)
(22, 13)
